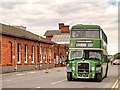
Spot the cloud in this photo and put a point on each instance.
(42, 16)
(11, 5)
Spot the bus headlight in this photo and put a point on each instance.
(73, 68)
(93, 68)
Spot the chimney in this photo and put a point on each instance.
(61, 25)
(65, 29)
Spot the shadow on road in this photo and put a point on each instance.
(83, 80)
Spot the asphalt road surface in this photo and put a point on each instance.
(55, 79)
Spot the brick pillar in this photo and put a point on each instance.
(22, 54)
(14, 53)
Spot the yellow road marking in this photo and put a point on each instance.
(116, 84)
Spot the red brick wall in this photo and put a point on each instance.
(7, 52)
(46, 57)
(60, 50)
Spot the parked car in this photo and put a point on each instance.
(116, 62)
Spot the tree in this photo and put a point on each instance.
(117, 56)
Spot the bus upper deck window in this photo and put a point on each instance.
(92, 34)
(77, 34)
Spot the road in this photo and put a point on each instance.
(55, 79)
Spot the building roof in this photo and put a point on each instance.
(61, 39)
(52, 32)
(20, 33)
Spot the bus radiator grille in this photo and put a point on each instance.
(83, 68)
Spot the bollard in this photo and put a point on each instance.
(46, 70)
(58, 69)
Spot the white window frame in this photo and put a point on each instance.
(50, 55)
(33, 54)
(25, 54)
(40, 54)
(19, 53)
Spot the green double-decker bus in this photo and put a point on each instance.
(87, 53)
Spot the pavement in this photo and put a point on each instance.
(56, 78)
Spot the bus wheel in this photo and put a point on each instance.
(69, 76)
(99, 77)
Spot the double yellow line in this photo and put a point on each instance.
(116, 85)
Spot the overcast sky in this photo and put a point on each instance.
(40, 16)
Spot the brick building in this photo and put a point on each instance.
(61, 37)
(23, 50)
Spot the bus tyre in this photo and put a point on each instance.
(99, 77)
(69, 76)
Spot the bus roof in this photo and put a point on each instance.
(81, 26)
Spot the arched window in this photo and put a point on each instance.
(10, 51)
(0, 51)
(25, 53)
(18, 53)
(37, 54)
(33, 54)
(40, 54)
